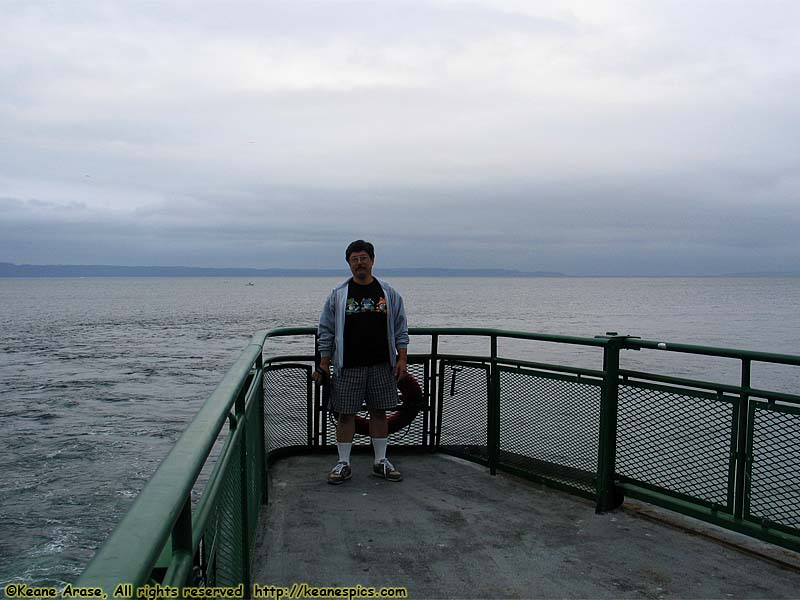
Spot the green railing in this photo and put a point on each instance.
(163, 539)
(725, 453)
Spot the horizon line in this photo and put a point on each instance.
(8, 269)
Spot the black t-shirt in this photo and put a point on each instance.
(365, 341)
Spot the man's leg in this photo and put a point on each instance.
(382, 395)
(378, 425)
(345, 430)
(379, 432)
(347, 394)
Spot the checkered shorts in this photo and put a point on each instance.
(355, 386)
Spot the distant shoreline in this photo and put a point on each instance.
(8, 270)
(12, 270)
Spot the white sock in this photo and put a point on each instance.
(379, 445)
(344, 451)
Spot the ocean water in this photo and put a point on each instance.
(98, 377)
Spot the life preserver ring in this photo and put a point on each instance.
(411, 398)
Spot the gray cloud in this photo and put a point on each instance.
(587, 139)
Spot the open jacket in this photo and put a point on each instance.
(331, 324)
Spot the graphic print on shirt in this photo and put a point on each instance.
(367, 305)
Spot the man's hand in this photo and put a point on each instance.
(325, 367)
(400, 367)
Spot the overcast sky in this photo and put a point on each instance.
(598, 137)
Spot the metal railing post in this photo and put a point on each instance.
(608, 497)
(493, 416)
(741, 441)
(436, 415)
(180, 568)
(317, 402)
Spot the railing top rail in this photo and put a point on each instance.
(284, 331)
(508, 333)
(466, 331)
(130, 552)
(771, 357)
(630, 343)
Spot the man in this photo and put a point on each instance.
(364, 332)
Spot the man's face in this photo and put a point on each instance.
(360, 265)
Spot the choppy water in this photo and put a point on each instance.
(98, 377)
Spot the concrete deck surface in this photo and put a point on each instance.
(451, 530)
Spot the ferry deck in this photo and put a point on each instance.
(452, 530)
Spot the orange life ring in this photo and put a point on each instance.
(411, 396)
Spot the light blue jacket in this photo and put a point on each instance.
(331, 324)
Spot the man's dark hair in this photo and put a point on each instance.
(359, 246)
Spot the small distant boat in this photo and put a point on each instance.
(250, 283)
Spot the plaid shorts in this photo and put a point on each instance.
(355, 386)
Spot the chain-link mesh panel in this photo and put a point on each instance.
(463, 415)
(677, 440)
(549, 425)
(223, 545)
(287, 411)
(774, 484)
(413, 434)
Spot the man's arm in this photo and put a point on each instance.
(326, 330)
(401, 339)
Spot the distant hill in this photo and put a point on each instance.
(764, 274)
(12, 270)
